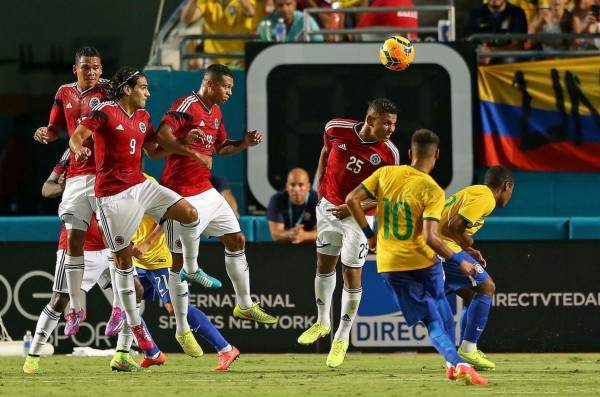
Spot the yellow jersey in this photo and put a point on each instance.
(158, 255)
(405, 197)
(473, 204)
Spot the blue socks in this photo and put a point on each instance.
(442, 343)
(155, 349)
(477, 316)
(201, 325)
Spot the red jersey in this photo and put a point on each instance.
(118, 140)
(183, 174)
(351, 160)
(93, 238)
(399, 19)
(63, 164)
(70, 107)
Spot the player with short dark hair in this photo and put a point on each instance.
(199, 114)
(464, 214)
(409, 208)
(352, 151)
(72, 104)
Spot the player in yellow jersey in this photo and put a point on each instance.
(464, 214)
(409, 208)
(152, 260)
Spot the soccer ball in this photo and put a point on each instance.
(397, 53)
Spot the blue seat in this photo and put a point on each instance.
(524, 228)
(261, 225)
(584, 228)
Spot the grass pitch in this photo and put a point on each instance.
(304, 375)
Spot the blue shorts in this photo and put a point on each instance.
(155, 283)
(455, 280)
(417, 292)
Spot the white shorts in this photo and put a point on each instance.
(341, 237)
(121, 214)
(95, 262)
(216, 219)
(78, 201)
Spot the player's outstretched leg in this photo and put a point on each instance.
(477, 316)
(200, 277)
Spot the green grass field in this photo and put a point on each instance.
(305, 375)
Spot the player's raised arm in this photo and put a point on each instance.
(229, 147)
(76, 143)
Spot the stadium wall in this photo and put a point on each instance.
(546, 301)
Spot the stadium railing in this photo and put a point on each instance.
(531, 54)
(184, 55)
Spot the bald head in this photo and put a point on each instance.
(297, 186)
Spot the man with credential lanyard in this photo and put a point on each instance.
(292, 212)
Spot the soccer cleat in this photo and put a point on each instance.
(468, 375)
(31, 365)
(73, 320)
(199, 277)
(226, 359)
(254, 313)
(477, 359)
(337, 353)
(147, 362)
(317, 331)
(115, 322)
(123, 362)
(450, 373)
(189, 344)
(143, 339)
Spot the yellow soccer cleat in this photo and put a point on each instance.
(254, 313)
(337, 353)
(189, 344)
(123, 362)
(317, 331)
(477, 359)
(31, 365)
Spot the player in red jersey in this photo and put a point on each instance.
(199, 112)
(121, 128)
(72, 104)
(351, 152)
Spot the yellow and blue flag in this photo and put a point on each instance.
(541, 115)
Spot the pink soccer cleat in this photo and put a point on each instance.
(143, 339)
(116, 322)
(73, 320)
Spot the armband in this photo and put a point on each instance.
(368, 231)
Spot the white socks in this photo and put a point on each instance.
(126, 288)
(74, 266)
(46, 324)
(190, 236)
(350, 302)
(324, 287)
(239, 274)
(180, 300)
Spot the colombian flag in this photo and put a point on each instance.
(541, 115)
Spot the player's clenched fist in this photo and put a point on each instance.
(83, 154)
(41, 135)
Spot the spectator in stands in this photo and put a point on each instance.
(222, 186)
(294, 21)
(531, 7)
(222, 17)
(398, 19)
(584, 20)
(325, 21)
(559, 20)
(497, 16)
(292, 212)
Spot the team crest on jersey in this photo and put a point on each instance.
(178, 244)
(375, 159)
(119, 240)
(142, 127)
(232, 10)
(216, 124)
(94, 101)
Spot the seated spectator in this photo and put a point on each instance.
(292, 212)
(559, 20)
(325, 21)
(294, 21)
(584, 21)
(398, 19)
(222, 17)
(222, 186)
(497, 16)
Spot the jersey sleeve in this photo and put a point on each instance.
(434, 200)
(274, 211)
(328, 137)
(63, 164)
(221, 132)
(176, 120)
(371, 184)
(57, 113)
(477, 206)
(95, 120)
